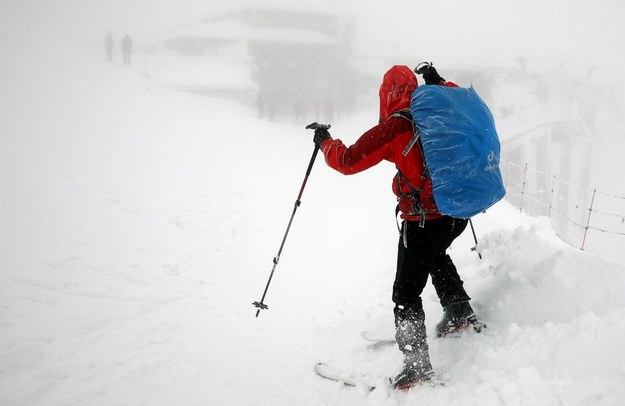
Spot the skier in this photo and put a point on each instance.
(108, 45)
(422, 247)
(126, 48)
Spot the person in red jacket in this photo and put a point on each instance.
(425, 233)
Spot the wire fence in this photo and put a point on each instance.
(580, 216)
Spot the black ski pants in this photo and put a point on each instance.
(425, 254)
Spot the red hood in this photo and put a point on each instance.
(396, 90)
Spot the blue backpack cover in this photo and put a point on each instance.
(460, 148)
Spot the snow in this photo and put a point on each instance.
(138, 224)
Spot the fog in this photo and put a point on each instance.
(486, 31)
(485, 34)
(534, 62)
(539, 64)
(141, 203)
(480, 32)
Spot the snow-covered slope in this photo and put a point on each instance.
(138, 225)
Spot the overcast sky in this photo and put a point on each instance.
(476, 31)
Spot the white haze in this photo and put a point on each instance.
(447, 31)
(486, 34)
(137, 225)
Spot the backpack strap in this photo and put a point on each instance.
(416, 138)
(415, 195)
(405, 114)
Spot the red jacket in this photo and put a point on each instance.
(386, 141)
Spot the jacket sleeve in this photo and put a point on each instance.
(449, 84)
(371, 148)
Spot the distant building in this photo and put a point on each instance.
(302, 58)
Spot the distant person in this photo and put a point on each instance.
(126, 48)
(108, 45)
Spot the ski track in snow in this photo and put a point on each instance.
(138, 225)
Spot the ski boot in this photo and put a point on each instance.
(411, 338)
(458, 318)
(411, 375)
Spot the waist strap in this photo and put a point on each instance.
(415, 194)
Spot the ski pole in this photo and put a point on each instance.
(474, 239)
(261, 305)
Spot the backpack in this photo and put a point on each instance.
(460, 146)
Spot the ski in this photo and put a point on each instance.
(328, 372)
(377, 338)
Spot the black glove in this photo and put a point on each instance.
(321, 134)
(430, 75)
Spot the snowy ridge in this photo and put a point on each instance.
(138, 225)
(555, 318)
